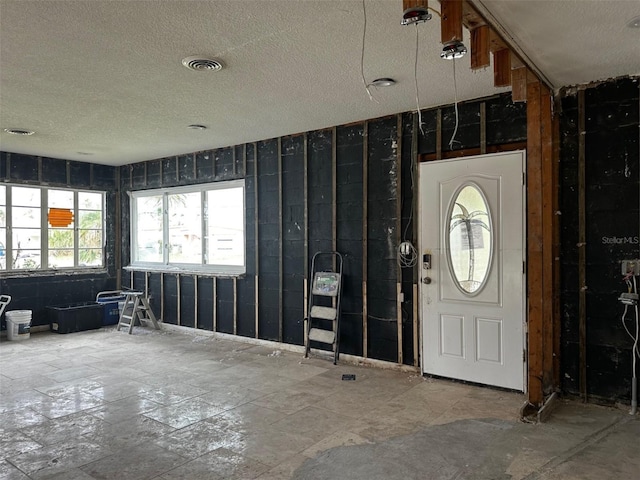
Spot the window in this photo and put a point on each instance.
(49, 229)
(470, 239)
(195, 228)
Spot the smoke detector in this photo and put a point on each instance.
(202, 64)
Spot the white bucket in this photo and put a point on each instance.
(18, 324)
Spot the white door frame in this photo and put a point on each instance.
(421, 250)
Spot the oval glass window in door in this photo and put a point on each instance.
(470, 239)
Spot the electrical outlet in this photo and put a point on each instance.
(629, 298)
(631, 267)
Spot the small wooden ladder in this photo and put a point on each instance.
(136, 308)
(4, 301)
(324, 303)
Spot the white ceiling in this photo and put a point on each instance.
(573, 42)
(102, 80)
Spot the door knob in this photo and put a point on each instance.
(426, 280)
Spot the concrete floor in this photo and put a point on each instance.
(166, 405)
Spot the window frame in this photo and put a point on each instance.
(45, 228)
(197, 268)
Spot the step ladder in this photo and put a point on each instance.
(323, 316)
(136, 308)
(4, 301)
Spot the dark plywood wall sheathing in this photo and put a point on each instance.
(487, 125)
(155, 293)
(582, 244)
(269, 239)
(224, 305)
(398, 237)
(305, 247)
(409, 232)
(36, 291)
(206, 300)
(599, 135)
(280, 259)
(365, 240)
(349, 226)
(187, 296)
(293, 239)
(381, 257)
(247, 285)
(320, 193)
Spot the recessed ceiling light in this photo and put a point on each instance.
(202, 64)
(415, 15)
(453, 50)
(197, 127)
(383, 82)
(19, 131)
(634, 23)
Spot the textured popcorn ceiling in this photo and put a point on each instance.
(573, 41)
(101, 81)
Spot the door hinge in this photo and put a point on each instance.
(524, 355)
(524, 267)
(524, 178)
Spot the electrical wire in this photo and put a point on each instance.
(381, 319)
(408, 258)
(455, 93)
(415, 78)
(364, 36)
(406, 255)
(406, 228)
(632, 288)
(636, 350)
(635, 353)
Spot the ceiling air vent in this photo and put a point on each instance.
(201, 64)
(19, 131)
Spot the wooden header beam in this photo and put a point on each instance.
(451, 21)
(407, 4)
(502, 68)
(470, 17)
(480, 54)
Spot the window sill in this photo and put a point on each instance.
(185, 270)
(52, 273)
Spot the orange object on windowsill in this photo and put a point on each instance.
(60, 217)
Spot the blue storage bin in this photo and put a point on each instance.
(112, 303)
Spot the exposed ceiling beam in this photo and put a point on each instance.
(451, 21)
(480, 53)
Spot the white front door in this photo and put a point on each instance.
(472, 270)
